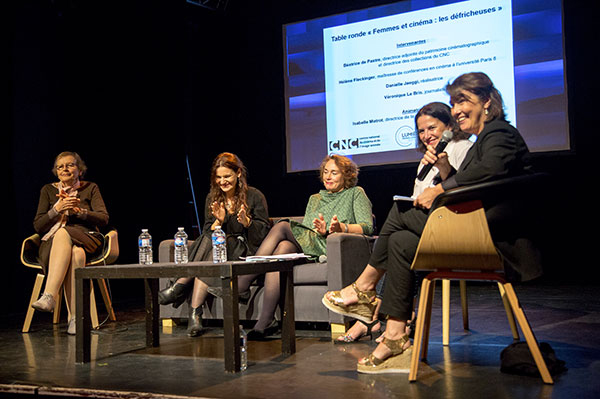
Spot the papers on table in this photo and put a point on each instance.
(403, 198)
(274, 257)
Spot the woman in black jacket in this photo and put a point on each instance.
(499, 152)
(241, 212)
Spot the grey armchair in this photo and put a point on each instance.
(347, 255)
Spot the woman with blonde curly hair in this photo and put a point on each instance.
(341, 206)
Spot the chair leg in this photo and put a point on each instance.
(528, 333)
(509, 313)
(35, 294)
(424, 305)
(427, 321)
(464, 304)
(107, 301)
(445, 312)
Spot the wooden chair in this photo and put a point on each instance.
(456, 244)
(109, 255)
(465, 310)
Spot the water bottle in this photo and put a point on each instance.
(243, 349)
(145, 247)
(219, 245)
(181, 247)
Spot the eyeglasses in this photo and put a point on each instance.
(67, 165)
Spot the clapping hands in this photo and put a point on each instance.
(242, 216)
(218, 211)
(320, 225)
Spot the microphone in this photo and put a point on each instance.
(446, 137)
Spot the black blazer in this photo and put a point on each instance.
(501, 152)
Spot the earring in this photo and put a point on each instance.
(486, 111)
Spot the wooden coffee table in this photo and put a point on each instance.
(228, 272)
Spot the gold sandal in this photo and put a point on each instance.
(397, 362)
(363, 310)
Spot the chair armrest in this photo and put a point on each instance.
(112, 249)
(495, 191)
(166, 251)
(347, 256)
(29, 251)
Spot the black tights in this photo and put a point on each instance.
(280, 240)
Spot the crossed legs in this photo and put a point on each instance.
(280, 240)
(65, 258)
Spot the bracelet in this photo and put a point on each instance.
(346, 227)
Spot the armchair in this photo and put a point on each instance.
(109, 254)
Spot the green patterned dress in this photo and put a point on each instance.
(352, 206)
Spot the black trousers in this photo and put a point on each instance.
(394, 252)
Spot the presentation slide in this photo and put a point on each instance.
(354, 81)
(374, 84)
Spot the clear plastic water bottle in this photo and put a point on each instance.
(219, 245)
(145, 247)
(181, 247)
(243, 349)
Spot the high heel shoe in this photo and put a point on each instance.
(243, 297)
(397, 362)
(175, 294)
(363, 310)
(195, 327)
(349, 339)
(261, 335)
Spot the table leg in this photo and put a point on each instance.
(288, 319)
(152, 312)
(231, 322)
(82, 314)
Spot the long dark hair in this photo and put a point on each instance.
(443, 113)
(230, 161)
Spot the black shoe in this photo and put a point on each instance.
(243, 297)
(175, 294)
(261, 335)
(195, 328)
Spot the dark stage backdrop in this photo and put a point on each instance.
(137, 86)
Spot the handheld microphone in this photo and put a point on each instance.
(446, 137)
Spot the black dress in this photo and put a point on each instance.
(241, 241)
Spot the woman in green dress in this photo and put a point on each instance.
(341, 207)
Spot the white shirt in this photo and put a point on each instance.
(456, 150)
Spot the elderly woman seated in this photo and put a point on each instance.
(68, 216)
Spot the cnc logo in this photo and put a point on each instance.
(343, 144)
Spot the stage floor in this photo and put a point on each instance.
(41, 363)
